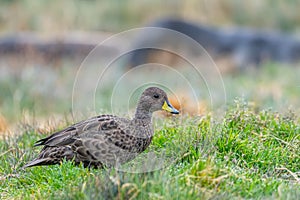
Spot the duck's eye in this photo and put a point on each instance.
(156, 96)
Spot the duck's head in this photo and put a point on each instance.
(154, 99)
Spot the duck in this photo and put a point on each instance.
(105, 140)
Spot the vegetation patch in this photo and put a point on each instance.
(248, 154)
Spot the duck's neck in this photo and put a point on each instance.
(143, 120)
(143, 115)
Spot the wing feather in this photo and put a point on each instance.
(70, 134)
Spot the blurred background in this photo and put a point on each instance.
(43, 44)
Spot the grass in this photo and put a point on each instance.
(249, 154)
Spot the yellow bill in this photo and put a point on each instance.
(169, 108)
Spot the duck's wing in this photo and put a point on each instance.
(71, 133)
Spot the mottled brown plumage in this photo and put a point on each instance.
(105, 140)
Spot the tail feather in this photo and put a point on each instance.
(52, 156)
(37, 162)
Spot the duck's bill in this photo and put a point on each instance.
(169, 108)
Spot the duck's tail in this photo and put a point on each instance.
(38, 162)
